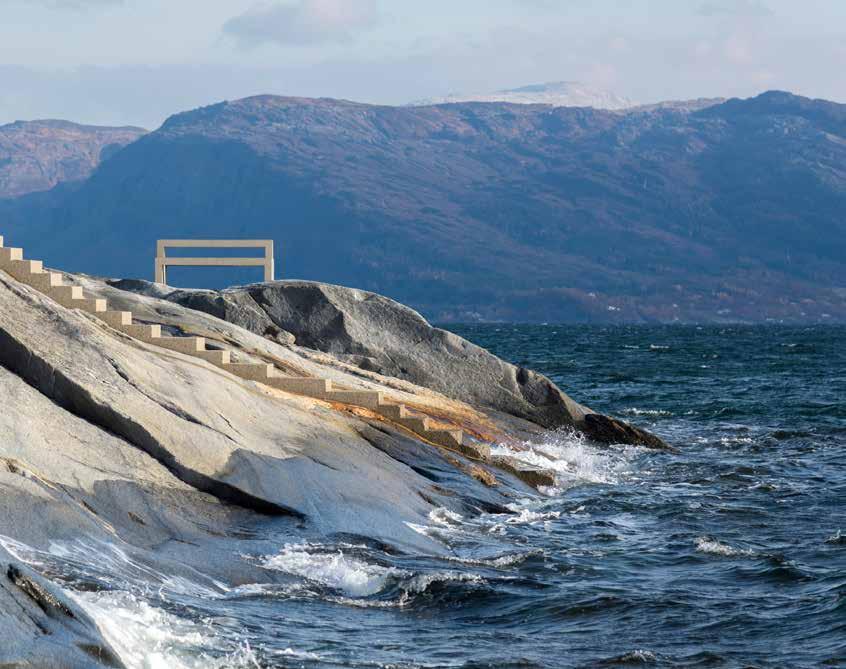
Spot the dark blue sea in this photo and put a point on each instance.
(730, 552)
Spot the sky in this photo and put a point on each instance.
(135, 62)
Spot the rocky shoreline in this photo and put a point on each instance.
(118, 441)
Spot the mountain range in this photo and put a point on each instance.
(37, 155)
(711, 211)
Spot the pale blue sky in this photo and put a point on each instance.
(137, 61)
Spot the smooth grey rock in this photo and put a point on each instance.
(380, 335)
(44, 629)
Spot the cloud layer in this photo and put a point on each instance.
(302, 22)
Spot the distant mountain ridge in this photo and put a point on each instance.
(38, 155)
(712, 213)
(557, 94)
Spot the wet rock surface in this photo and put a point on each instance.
(43, 628)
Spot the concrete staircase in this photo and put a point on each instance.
(32, 273)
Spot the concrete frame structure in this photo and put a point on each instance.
(163, 261)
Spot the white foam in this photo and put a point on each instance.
(300, 655)
(530, 517)
(147, 637)
(354, 577)
(143, 635)
(573, 460)
(501, 561)
(634, 411)
(639, 657)
(714, 547)
(837, 538)
(442, 516)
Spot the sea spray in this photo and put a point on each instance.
(574, 459)
(332, 569)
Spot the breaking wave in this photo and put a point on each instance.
(335, 570)
(714, 547)
(574, 460)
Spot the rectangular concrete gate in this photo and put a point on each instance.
(163, 261)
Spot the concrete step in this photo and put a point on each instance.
(448, 438)
(251, 371)
(67, 296)
(45, 281)
(392, 411)
(418, 424)
(534, 476)
(117, 319)
(23, 270)
(8, 254)
(96, 306)
(369, 399)
(189, 345)
(219, 358)
(146, 333)
(318, 388)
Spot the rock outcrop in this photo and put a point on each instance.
(376, 334)
(42, 628)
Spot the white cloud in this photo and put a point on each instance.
(302, 22)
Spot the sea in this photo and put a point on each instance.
(729, 551)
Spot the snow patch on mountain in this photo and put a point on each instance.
(557, 94)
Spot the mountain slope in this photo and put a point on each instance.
(491, 210)
(38, 155)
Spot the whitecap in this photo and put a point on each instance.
(500, 561)
(838, 538)
(714, 547)
(529, 517)
(634, 411)
(300, 655)
(573, 459)
(443, 516)
(335, 570)
(147, 637)
(144, 635)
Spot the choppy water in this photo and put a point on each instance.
(730, 553)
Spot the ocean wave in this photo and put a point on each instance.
(634, 411)
(352, 581)
(500, 561)
(445, 517)
(335, 570)
(147, 637)
(529, 517)
(574, 460)
(634, 657)
(714, 547)
(838, 539)
(127, 600)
